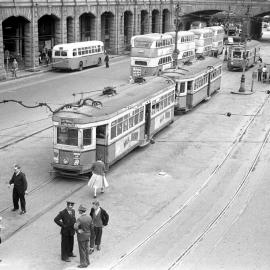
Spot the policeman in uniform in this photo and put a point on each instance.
(66, 220)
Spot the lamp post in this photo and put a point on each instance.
(178, 25)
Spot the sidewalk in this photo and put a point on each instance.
(23, 73)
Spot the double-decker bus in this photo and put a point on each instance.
(218, 39)
(237, 55)
(185, 45)
(203, 41)
(196, 82)
(150, 54)
(78, 55)
(111, 127)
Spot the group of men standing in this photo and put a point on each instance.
(88, 228)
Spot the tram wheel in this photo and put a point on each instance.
(81, 66)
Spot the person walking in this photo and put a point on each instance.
(264, 73)
(98, 179)
(260, 72)
(19, 183)
(14, 67)
(107, 59)
(84, 228)
(100, 218)
(66, 220)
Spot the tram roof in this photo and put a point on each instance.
(127, 95)
(188, 72)
(78, 44)
(250, 44)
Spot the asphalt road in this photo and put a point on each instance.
(157, 221)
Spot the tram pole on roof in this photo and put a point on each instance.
(178, 25)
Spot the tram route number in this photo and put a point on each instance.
(67, 123)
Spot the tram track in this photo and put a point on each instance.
(188, 202)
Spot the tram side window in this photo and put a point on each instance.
(101, 132)
(182, 87)
(68, 136)
(87, 136)
(113, 129)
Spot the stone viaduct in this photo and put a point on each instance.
(29, 27)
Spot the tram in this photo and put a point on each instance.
(239, 53)
(111, 127)
(196, 82)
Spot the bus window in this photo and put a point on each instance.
(68, 136)
(101, 132)
(87, 136)
(57, 53)
(74, 52)
(141, 63)
(63, 53)
(79, 51)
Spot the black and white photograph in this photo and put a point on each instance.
(134, 134)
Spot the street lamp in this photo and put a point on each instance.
(178, 25)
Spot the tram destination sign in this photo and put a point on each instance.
(67, 122)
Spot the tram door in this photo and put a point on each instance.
(101, 143)
(147, 121)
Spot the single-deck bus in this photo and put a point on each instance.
(78, 55)
(150, 54)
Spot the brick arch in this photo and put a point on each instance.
(87, 22)
(144, 21)
(166, 14)
(155, 25)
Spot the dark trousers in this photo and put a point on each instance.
(84, 252)
(67, 243)
(16, 197)
(95, 239)
(259, 76)
(107, 64)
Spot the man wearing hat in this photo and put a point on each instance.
(66, 220)
(84, 228)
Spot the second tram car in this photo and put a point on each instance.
(196, 82)
(112, 127)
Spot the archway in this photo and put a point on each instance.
(165, 21)
(155, 21)
(87, 27)
(16, 41)
(107, 30)
(144, 22)
(128, 28)
(49, 34)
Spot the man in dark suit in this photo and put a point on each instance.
(19, 190)
(66, 220)
(84, 229)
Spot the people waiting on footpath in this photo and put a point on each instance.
(264, 73)
(19, 183)
(107, 59)
(84, 229)
(14, 68)
(260, 71)
(66, 220)
(100, 218)
(98, 179)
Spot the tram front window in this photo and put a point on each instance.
(68, 136)
(87, 136)
(237, 54)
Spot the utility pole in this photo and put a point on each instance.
(178, 24)
(244, 35)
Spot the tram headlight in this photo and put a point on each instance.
(56, 155)
(66, 161)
